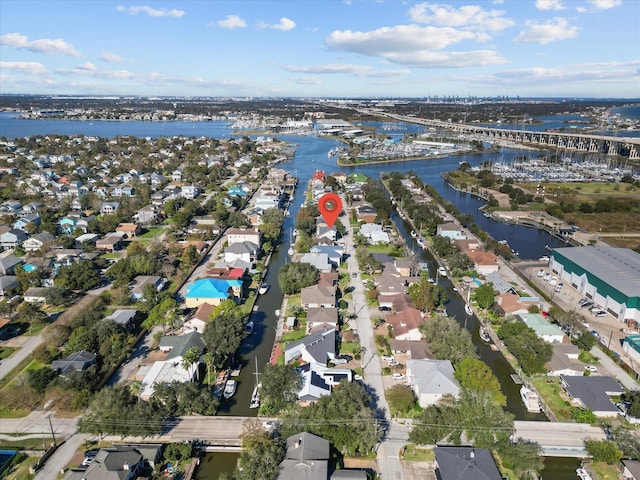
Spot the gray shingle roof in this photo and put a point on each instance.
(593, 391)
(466, 463)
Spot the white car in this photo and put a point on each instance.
(546, 277)
(591, 368)
(559, 287)
(541, 272)
(553, 280)
(388, 358)
(269, 425)
(398, 376)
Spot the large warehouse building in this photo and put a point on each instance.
(609, 276)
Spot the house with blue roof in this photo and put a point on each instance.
(213, 291)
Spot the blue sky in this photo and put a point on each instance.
(322, 48)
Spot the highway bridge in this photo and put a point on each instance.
(580, 142)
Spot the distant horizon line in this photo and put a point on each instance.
(456, 98)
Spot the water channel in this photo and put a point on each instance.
(311, 155)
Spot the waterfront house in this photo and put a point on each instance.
(564, 361)
(318, 296)
(35, 295)
(366, 213)
(406, 324)
(499, 284)
(245, 251)
(334, 253)
(318, 381)
(318, 260)
(213, 291)
(485, 263)
(307, 457)
(548, 332)
(374, 234)
(451, 230)
(465, 463)
(593, 392)
(430, 380)
(243, 234)
(200, 318)
(321, 318)
(512, 304)
(319, 347)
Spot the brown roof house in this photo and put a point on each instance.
(321, 318)
(405, 324)
(485, 262)
(129, 230)
(317, 296)
(200, 318)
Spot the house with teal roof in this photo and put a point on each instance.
(213, 291)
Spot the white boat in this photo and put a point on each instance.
(484, 335)
(248, 328)
(230, 388)
(263, 288)
(277, 312)
(255, 396)
(468, 310)
(413, 233)
(442, 271)
(467, 307)
(530, 399)
(583, 474)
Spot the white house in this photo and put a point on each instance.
(431, 380)
(243, 234)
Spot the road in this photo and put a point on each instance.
(25, 345)
(396, 436)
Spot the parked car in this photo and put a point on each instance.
(546, 277)
(398, 376)
(591, 368)
(391, 363)
(559, 287)
(540, 272)
(388, 358)
(338, 361)
(553, 281)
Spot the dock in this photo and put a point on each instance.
(516, 379)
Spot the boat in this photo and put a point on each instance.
(248, 328)
(414, 234)
(277, 312)
(220, 384)
(442, 271)
(230, 388)
(583, 474)
(255, 396)
(468, 310)
(530, 399)
(484, 335)
(467, 306)
(263, 288)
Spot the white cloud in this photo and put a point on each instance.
(44, 45)
(151, 12)
(308, 81)
(231, 22)
(111, 57)
(414, 45)
(31, 68)
(87, 66)
(605, 4)
(337, 68)
(285, 24)
(550, 31)
(550, 5)
(468, 16)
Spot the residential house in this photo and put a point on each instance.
(374, 234)
(108, 208)
(405, 324)
(266, 201)
(245, 251)
(389, 285)
(500, 285)
(123, 318)
(319, 347)
(318, 260)
(512, 304)
(114, 463)
(340, 177)
(87, 239)
(110, 243)
(76, 362)
(564, 361)
(38, 241)
(147, 215)
(451, 230)
(129, 230)
(321, 319)
(199, 320)
(465, 463)
(334, 253)
(29, 218)
(317, 296)
(485, 263)
(12, 238)
(324, 231)
(593, 392)
(141, 282)
(171, 369)
(213, 291)
(190, 192)
(431, 380)
(318, 381)
(8, 284)
(307, 457)
(366, 213)
(403, 267)
(548, 332)
(630, 469)
(243, 234)
(8, 264)
(123, 191)
(415, 350)
(35, 295)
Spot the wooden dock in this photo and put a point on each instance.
(516, 379)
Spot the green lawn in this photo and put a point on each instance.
(550, 390)
(6, 352)
(111, 256)
(417, 454)
(152, 232)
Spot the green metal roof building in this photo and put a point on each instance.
(631, 345)
(609, 276)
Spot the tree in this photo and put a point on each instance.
(485, 295)
(272, 220)
(531, 351)
(280, 386)
(190, 357)
(135, 387)
(603, 451)
(40, 379)
(224, 334)
(262, 461)
(80, 276)
(401, 399)
(521, 456)
(448, 340)
(293, 277)
(210, 362)
(475, 375)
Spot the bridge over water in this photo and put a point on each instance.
(580, 142)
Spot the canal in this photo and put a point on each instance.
(312, 155)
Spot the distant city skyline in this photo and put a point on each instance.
(329, 48)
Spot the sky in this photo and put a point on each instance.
(322, 48)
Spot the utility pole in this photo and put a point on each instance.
(53, 435)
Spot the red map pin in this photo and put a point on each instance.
(330, 206)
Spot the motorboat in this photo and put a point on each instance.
(277, 312)
(484, 335)
(530, 399)
(468, 310)
(414, 234)
(263, 288)
(230, 388)
(583, 474)
(248, 328)
(442, 271)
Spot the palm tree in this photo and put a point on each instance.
(190, 357)
(135, 388)
(210, 361)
